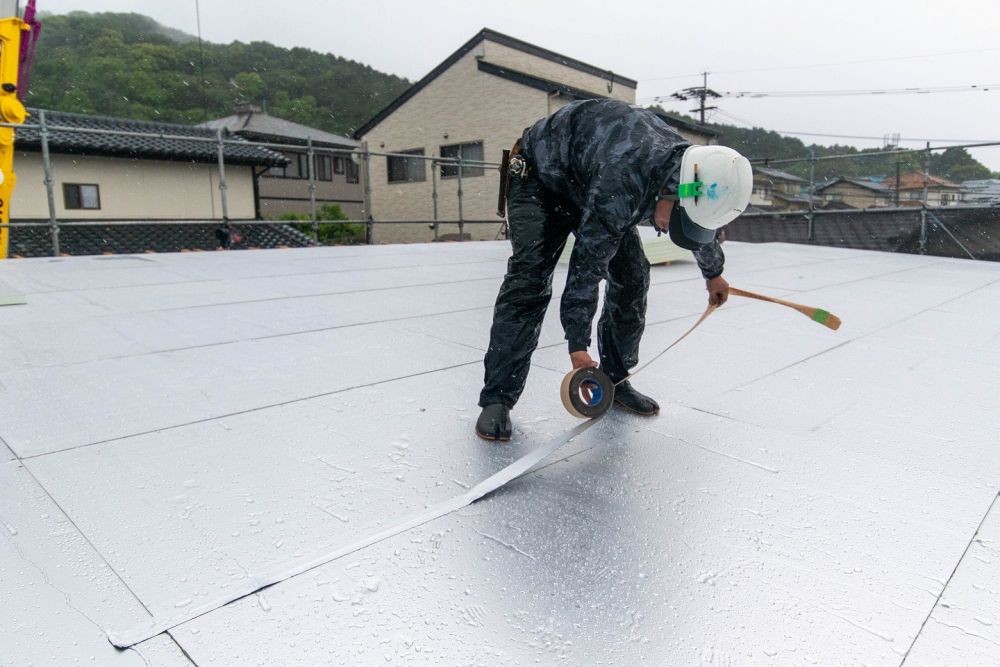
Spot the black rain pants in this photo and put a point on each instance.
(540, 222)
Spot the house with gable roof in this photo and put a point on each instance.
(130, 186)
(853, 193)
(284, 188)
(473, 105)
(912, 185)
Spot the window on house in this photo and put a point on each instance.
(81, 196)
(352, 171)
(324, 168)
(406, 169)
(291, 170)
(470, 152)
(338, 165)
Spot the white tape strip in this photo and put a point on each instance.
(143, 631)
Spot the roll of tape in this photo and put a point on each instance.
(587, 393)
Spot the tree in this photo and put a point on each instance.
(338, 234)
(128, 65)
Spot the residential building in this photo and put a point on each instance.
(940, 191)
(854, 192)
(147, 180)
(472, 106)
(982, 191)
(779, 190)
(286, 188)
(171, 173)
(696, 133)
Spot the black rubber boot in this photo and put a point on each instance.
(494, 423)
(627, 397)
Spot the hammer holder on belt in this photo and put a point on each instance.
(511, 163)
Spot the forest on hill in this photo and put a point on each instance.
(130, 66)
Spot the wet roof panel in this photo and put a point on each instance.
(176, 427)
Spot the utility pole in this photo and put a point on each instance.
(701, 93)
(897, 183)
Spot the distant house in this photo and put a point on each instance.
(473, 105)
(982, 191)
(285, 188)
(854, 192)
(112, 176)
(697, 134)
(779, 190)
(940, 191)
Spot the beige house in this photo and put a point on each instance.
(336, 177)
(473, 105)
(114, 176)
(779, 190)
(854, 192)
(696, 133)
(940, 191)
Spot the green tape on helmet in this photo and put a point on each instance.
(694, 189)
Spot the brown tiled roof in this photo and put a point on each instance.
(915, 180)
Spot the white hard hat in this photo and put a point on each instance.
(715, 185)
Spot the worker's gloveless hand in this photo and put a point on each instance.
(718, 290)
(582, 359)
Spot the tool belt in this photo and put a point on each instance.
(511, 163)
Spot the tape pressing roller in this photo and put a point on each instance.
(587, 393)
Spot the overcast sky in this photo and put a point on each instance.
(778, 45)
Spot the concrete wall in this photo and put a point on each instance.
(978, 229)
(132, 189)
(463, 105)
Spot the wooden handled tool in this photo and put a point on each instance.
(827, 319)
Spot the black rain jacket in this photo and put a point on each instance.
(611, 160)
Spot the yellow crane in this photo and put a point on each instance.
(17, 42)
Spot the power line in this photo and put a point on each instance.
(873, 91)
(834, 64)
(856, 136)
(922, 90)
(751, 124)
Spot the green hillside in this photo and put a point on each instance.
(130, 66)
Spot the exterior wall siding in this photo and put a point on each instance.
(855, 196)
(499, 54)
(132, 189)
(462, 105)
(291, 195)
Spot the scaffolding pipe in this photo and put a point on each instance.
(461, 221)
(366, 174)
(923, 200)
(812, 190)
(222, 176)
(312, 189)
(49, 182)
(936, 220)
(434, 198)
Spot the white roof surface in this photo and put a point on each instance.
(176, 427)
